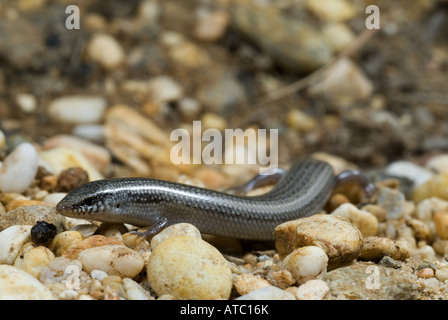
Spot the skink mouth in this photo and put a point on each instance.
(63, 207)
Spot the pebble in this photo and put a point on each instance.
(189, 268)
(425, 273)
(175, 230)
(30, 215)
(306, 263)
(98, 156)
(90, 242)
(54, 198)
(344, 83)
(312, 290)
(19, 169)
(71, 178)
(17, 203)
(437, 163)
(12, 241)
(61, 158)
(134, 291)
(112, 259)
(442, 274)
(437, 186)
(77, 109)
(59, 270)
(375, 248)
(339, 238)
(366, 222)
(268, 293)
(331, 10)
(16, 284)
(211, 25)
(42, 232)
(33, 259)
(421, 230)
(164, 89)
(299, 120)
(441, 224)
(27, 102)
(63, 240)
(293, 44)
(393, 201)
(376, 210)
(105, 50)
(89, 132)
(427, 208)
(417, 174)
(245, 283)
(338, 36)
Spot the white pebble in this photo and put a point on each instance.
(98, 274)
(27, 102)
(78, 109)
(54, 198)
(306, 263)
(16, 284)
(134, 291)
(105, 50)
(418, 175)
(178, 229)
(268, 293)
(19, 169)
(112, 259)
(437, 163)
(312, 290)
(12, 240)
(164, 89)
(91, 132)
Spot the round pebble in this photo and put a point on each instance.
(112, 259)
(178, 229)
(437, 186)
(78, 109)
(441, 224)
(246, 283)
(33, 259)
(425, 273)
(339, 238)
(105, 50)
(375, 248)
(17, 284)
(268, 293)
(306, 263)
(366, 222)
(62, 241)
(312, 290)
(12, 240)
(19, 169)
(189, 268)
(42, 232)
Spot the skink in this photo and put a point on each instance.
(301, 192)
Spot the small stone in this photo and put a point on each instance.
(441, 224)
(98, 156)
(61, 158)
(421, 230)
(375, 248)
(246, 283)
(363, 220)
(379, 212)
(105, 50)
(442, 274)
(72, 178)
(335, 201)
(42, 232)
(210, 26)
(331, 10)
(299, 120)
(19, 169)
(189, 108)
(425, 273)
(164, 89)
(345, 83)
(12, 240)
(393, 201)
(441, 247)
(438, 163)
(61, 270)
(16, 284)
(338, 35)
(418, 175)
(134, 291)
(306, 263)
(312, 290)
(98, 274)
(27, 102)
(112, 259)
(62, 241)
(54, 198)
(437, 186)
(173, 269)
(175, 230)
(17, 203)
(339, 238)
(77, 109)
(33, 259)
(268, 293)
(91, 242)
(29, 215)
(89, 132)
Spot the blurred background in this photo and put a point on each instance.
(137, 69)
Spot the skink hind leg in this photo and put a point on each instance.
(355, 177)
